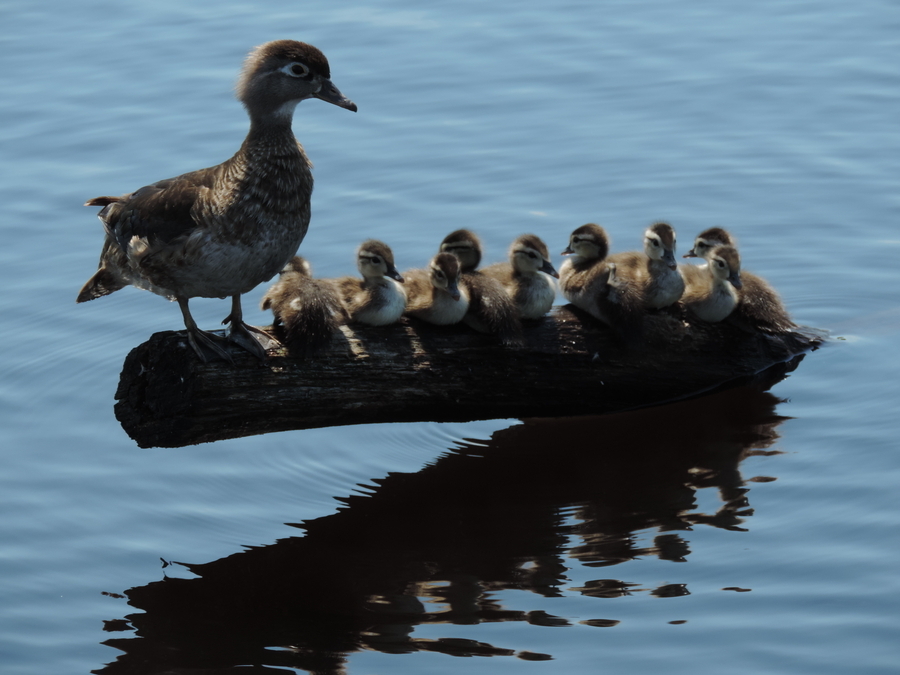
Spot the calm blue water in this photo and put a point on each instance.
(776, 119)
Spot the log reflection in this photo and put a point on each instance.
(436, 546)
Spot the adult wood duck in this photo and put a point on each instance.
(220, 231)
(527, 277)
(379, 298)
(491, 310)
(759, 305)
(309, 309)
(712, 294)
(434, 294)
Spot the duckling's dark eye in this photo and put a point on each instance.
(532, 255)
(375, 261)
(296, 69)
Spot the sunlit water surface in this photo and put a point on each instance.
(748, 532)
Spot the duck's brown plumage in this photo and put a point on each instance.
(759, 305)
(434, 294)
(527, 277)
(584, 281)
(653, 272)
(308, 309)
(712, 293)
(220, 231)
(379, 298)
(491, 310)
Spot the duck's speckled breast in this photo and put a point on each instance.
(250, 223)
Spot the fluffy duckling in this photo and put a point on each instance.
(759, 305)
(434, 294)
(221, 231)
(491, 310)
(379, 298)
(527, 277)
(712, 294)
(466, 246)
(654, 272)
(584, 281)
(308, 309)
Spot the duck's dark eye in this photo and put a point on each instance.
(532, 255)
(375, 261)
(297, 69)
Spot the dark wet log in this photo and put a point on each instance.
(569, 365)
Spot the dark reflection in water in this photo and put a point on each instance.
(437, 545)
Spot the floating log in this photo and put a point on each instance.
(569, 364)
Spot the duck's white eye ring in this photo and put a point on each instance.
(296, 69)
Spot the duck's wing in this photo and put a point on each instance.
(155, 215)
(760, 307)
(501, 271)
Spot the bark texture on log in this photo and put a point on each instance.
(569, 365)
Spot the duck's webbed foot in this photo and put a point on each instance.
(252, 339)
(206, 345)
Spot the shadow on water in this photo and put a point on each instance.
(436, 546)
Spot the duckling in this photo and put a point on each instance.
(309, 309)
(653, 273)
(220, 231)
(380, 298)
(466, 246)
(759, 305)
(434, 294)
(713, 294)
(491, 310)
(527, 277)
(584, 281)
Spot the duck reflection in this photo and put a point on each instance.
(437, 546)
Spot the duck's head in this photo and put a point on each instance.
(376, 260)
(298, 265)
(445, 270)
(707, 240)
(529, 255)
(588, 241)
(659, 244)
(278, 75)
(725, 264)
(466, 246)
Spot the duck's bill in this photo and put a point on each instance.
(332, 94)
(547, 268)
